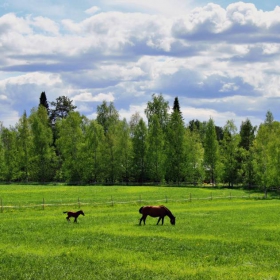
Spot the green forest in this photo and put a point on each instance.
(56, 143)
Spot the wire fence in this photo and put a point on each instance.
(113, 202)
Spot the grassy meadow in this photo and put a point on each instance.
(218, 238)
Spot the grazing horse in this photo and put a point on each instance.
(74, 215)
(156, 211)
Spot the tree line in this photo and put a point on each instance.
(57, 143)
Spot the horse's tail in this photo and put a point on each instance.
(140, 210)
(65, 212)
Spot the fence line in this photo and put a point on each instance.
(114, 202)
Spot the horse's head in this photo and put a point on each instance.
(172, 221)
(82, 212)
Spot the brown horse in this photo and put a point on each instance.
(74, 215)
(156, 211)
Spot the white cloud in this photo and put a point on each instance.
(229, 87)
(8, 117)
(32, 78)
(3, 97)
(92, 10)
(88, 97)
(45, 24)
(11, 23)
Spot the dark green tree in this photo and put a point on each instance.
(194, 125)
(139, 142)
(69, 144)
(93, 150)
(219, 133)
(108, 118)
(199, 127)
(266, 154)
(155, 153)
(247, 136)
(158, 106)
(42, 162)
(10, 167)
(124, 151)
(194, 157)
(61, 108)
(134, 120)
(176, 156)
(43, 101)
(230, 152)
(211, 152)
(24, 140)
(176, 105)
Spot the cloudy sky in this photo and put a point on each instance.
(221, 58)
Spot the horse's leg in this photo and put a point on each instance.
(143, 218)
(159, 220)
(162, 220)
(68, 218)
(75, 221)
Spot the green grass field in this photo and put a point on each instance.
(221, 238)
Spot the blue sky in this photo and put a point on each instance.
(221, 58)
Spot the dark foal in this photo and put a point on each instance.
(74, 215)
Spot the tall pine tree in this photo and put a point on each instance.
(44, 102)
(176, 157)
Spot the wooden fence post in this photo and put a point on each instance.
(79, 203)
(190, 197)
(166, 199)
(43, 203)
(1, 206)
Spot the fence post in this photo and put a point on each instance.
(166, 199)
(112, 201)
(211, 196)
(43, 203)
(79, 203)
(1, 206)
(190, 197)
(230, 195)
(140, 199)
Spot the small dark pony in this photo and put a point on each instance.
(74, 215)
(156, 211)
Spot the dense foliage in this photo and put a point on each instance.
(57, 143)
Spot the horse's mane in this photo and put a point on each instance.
(169, 214)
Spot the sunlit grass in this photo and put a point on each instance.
(212, 239)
